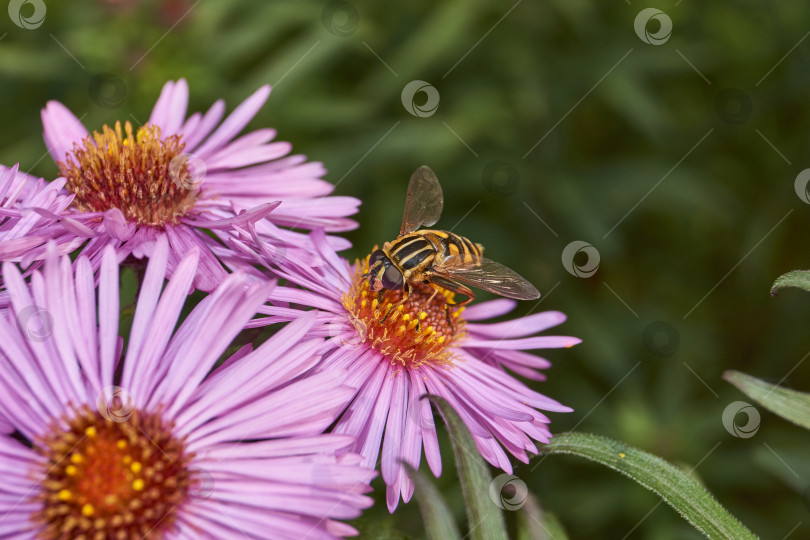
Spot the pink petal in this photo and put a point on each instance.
(108, 308)
(522, 326)
(489, 310)
(192, 137)
(241, 219)
(117, 226)
(537, 342)
(61, 130)
(170, 109)
(392, 445)
(425, 419)
(237, 120)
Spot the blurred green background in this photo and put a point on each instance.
(701, 136)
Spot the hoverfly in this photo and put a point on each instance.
(435, 258)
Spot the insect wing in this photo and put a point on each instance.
(423, 204)
(488, 275)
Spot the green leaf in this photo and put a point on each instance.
(792, 405)
(795, 278)
(439, 522)
(676, 487)
(378, 528)
(484, 516)
(534, 523)
(788, 464)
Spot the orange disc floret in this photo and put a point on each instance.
(108, 479)
(412, 333)
(144, 176)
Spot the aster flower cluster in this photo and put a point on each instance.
(164, 431)
(395, 360)
(176, 177)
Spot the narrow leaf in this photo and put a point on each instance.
(534, 523)
(484, 516)
(795, 278)
(792, 405)
(788, 464)
(676, 487)
(438, 519)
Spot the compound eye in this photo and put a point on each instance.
(392, 279)
(375, 257)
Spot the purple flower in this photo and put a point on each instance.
(395, 355)
(180, 177)
(157, 442)
(18, 192)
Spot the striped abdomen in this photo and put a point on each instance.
(420, 250)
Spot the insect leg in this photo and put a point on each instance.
(460, 290)
(456, 288)
(436, 290)
(406, 293)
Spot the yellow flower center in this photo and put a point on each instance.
(148, 178)
(109, 479)
(412, 333)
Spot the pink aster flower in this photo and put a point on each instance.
(151, 443)
(18, 192)
(180, 177)
(415, 351)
